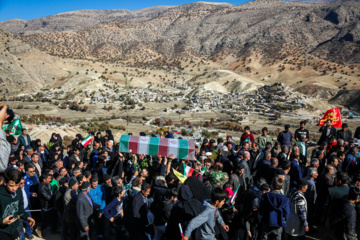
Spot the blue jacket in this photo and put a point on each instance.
(98, 195)
(295, 173)
(30, 186)
(274, 209)
(113, 209)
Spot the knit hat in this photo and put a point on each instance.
(84, 186)
(72, 182)
(354, 193)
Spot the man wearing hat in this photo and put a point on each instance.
(341, 223)
(297, 224)
(70, 198)
(85, 212)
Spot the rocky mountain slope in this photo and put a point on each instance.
(24, 68)
(81, 19)
(347, 98)
(274, 30)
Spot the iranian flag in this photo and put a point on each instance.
(188, 171)
(181, 148)
(86, 140)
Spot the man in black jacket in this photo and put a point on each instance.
(327, 132)
(341, 222)
(345, 134)
(46, 202)
(59, 204)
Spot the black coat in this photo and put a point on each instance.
(140, 210)
(45, 196)
(344, 135)
(325, 138)
(182, 212)
(342, 220)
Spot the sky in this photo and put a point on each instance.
(30, 9)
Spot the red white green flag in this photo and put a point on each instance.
(188, 171)
(181, 148)
(86, 140)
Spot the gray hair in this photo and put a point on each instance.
(312, 171)
(353, 149)
(28, 150)
(57, 162)
(341, 141)
(267, 154)
(284, 148)
(314, 161)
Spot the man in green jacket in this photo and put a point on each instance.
(264, 138)
(12, 206)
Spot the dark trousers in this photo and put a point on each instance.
(115, 230)
(62, 223)
(5, 236)
(89, 235)
(48, 219)
(72, 231)
(289, 237)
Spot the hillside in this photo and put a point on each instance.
(24, 68)
(274, 30)
(77, 20)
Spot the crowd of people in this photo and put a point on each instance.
(258, 188)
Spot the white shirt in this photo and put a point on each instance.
(26, 204)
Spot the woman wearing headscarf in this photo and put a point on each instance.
(77, 141)
(185, 209)
(53, 138)
(19, 153)
(108, 136)
(200, 191)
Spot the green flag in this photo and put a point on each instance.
(15, 127)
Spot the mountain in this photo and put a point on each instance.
(311, 47)
(273, 30)
(24, 68)
(77, 20)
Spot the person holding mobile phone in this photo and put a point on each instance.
(5, 147)
(12, 206)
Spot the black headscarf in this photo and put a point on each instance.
(183, 211)
(52, 139)
(200, 191)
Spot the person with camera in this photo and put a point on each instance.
(5, 147)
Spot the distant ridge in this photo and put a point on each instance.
(78, 20)
(275, 30)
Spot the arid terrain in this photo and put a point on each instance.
(184, 65)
